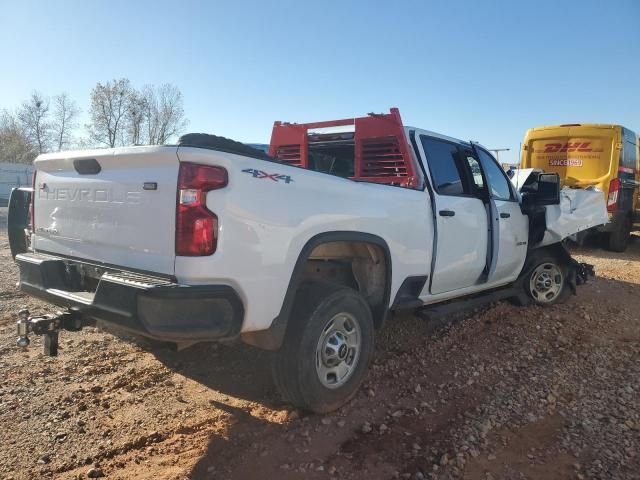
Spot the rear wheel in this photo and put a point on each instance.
(327, 348)
(618, 240)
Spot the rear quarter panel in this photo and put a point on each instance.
(265, 221)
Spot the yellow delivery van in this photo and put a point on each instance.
(604, 156)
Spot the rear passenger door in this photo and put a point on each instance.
(461, 227)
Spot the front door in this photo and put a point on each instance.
(461, 237)
(510, 227)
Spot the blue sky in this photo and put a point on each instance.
(481, 70)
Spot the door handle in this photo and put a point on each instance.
(447, 213)
(505, 215)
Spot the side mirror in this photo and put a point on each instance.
(548, 189)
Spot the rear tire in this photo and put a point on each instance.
(327, 348)
(618, 240)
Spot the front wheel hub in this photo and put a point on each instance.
(546, 282)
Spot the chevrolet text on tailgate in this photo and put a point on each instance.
(304, 251)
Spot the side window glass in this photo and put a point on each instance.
(496, 178)
(476, 171)
(442, 159)
(629, 155)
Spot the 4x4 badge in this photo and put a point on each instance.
(276, 177)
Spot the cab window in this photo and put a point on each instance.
(499, 185)
(476, 175)
(443, 159)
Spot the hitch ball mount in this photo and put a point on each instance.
(48, 326)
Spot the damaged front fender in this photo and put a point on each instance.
(578, 210)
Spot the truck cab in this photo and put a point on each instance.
(481, 233)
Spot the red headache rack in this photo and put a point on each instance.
(380, 149)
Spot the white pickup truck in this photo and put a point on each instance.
(304, 251)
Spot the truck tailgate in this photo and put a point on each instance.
(121, 215)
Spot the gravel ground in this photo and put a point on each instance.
(508, 392)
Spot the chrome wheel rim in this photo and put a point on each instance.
(546, 282)
(338, 350)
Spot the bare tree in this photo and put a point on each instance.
(108, 112)
(121, 114)
(164, 115)
(34, 118)
(15, 145)
(65, 112)
(136, 114)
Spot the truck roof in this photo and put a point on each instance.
(441, 136)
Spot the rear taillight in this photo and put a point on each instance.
(196, 225)
(614, 190)
(32, 208)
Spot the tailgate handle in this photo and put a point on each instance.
(87, 166)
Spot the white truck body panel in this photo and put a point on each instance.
(265, 224)
(109, 218)
(461, 253)
(511, 238)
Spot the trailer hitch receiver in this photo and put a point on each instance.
(48, 326)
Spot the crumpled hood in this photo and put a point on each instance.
(579, 210)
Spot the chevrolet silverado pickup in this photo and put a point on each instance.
(304, 249)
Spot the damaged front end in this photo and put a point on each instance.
(557, 214)
(579, 273)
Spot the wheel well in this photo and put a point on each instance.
(358, 260)
(356, 264)
(556, 250)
